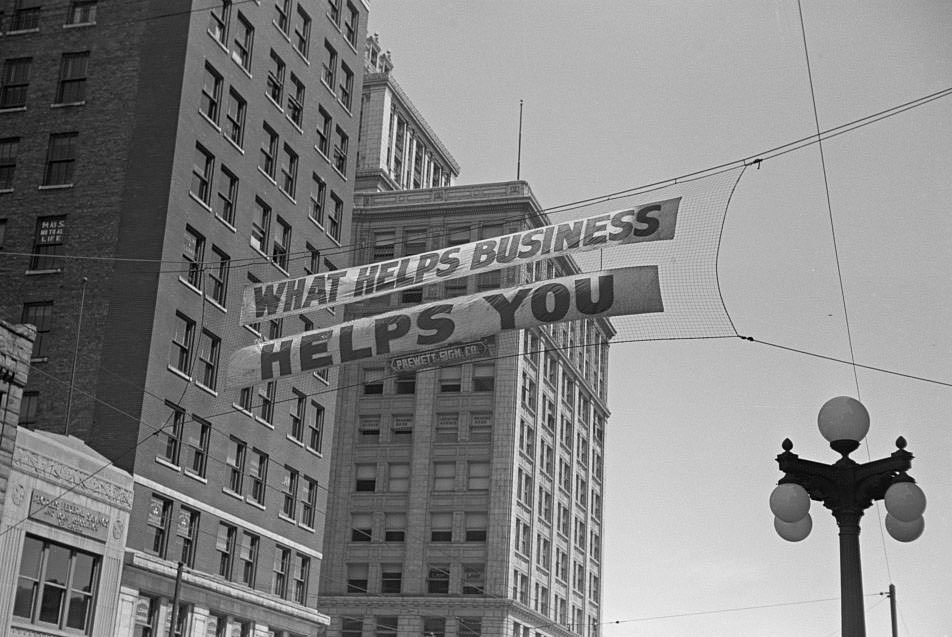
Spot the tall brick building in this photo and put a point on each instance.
(467, 499)
(155, 156)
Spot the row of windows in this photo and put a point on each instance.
(60, 165)
(441, 579)
(469, 526)
(396, 479)
(56, 586)
(410, 162)
(26, 14)
(447, 428)
(152, 612)
(377, 380)
(70, 87)
(237, 551)
(390, 626)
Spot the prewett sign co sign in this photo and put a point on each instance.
(454, 354)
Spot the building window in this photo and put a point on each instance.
(174, 432)
(248, 558)
(345, 91)
(316, 212)
(401, 429)
(297, 415)
(48, 244)
(218, 18)
(351, 22)
(308, 501)
(56, 585)
(340, 150)
(281, 247)
(194, 254)
(289, 490)
(384, 245)
(478, 476)
(40, 315)
(72, 80)
(279, 577)
(82, 12)
(302, 570)
(302, 32)
(369, 429)
(269, 152)
(434, 626)
(357, 578)
(225, 545)
(361, 527)
(484, 377)
(447, 428)
(15, 82)
(324, 121)
(315, 427)
(391, 579)
(160, 514)
(203, 167)
(260, 226)
(236, 464)
(394, 527)
(441, 527)
(476, 526)
(481, 428)
(276, 79)
(398, 478)
(373, 380)
(333, 11)
(257, 476)
(296, 101)
(451, 379)
(28, 407)
(329, 65)
(352, 627)
(486, 281)
(474, 579)
(211, 93)
(183, 335)
(334, 217)
(147, 616)
(218, 277)
(438, 579)
(8, 162)
(289, 167)
(244, 41)
(187, 529)
(444, 476)
(60, 159)
(366, 477)
(198, 444)
(266, 407)
(469, 626)
(282, 14)
(235, 118)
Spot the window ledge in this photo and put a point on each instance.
(282, 31)
(194, 476)
(217, 305)
(304, 527)
(302, 56)
(267, 176)
(189, 286)
(55, 187)
(225, 223)
(209, 120)
(79, 25)
(167, 463)
(329, 89)
(68, 104)
(315, 452)
(45, 271)
(206, 389)
(287, 195)
(220, 44)
(295, 441)
(239, 65)
(256, 505)
(345, 107)
(22, 31)
(13, 109)
(234, 144)
(199, 201)
(295, 124)
(232, 494)
(241, 409)
(281, 516)
(342, 175)
(273, 103)
(321, 153)
(179, 373)
(264, 422)
(40, 359)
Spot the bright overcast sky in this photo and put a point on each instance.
(621, 94)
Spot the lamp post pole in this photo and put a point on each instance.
(847, 489)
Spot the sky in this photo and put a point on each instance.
(622, 94)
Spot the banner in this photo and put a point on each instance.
(634, 290)
(649, 222)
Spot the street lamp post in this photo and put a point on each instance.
(847, 489)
